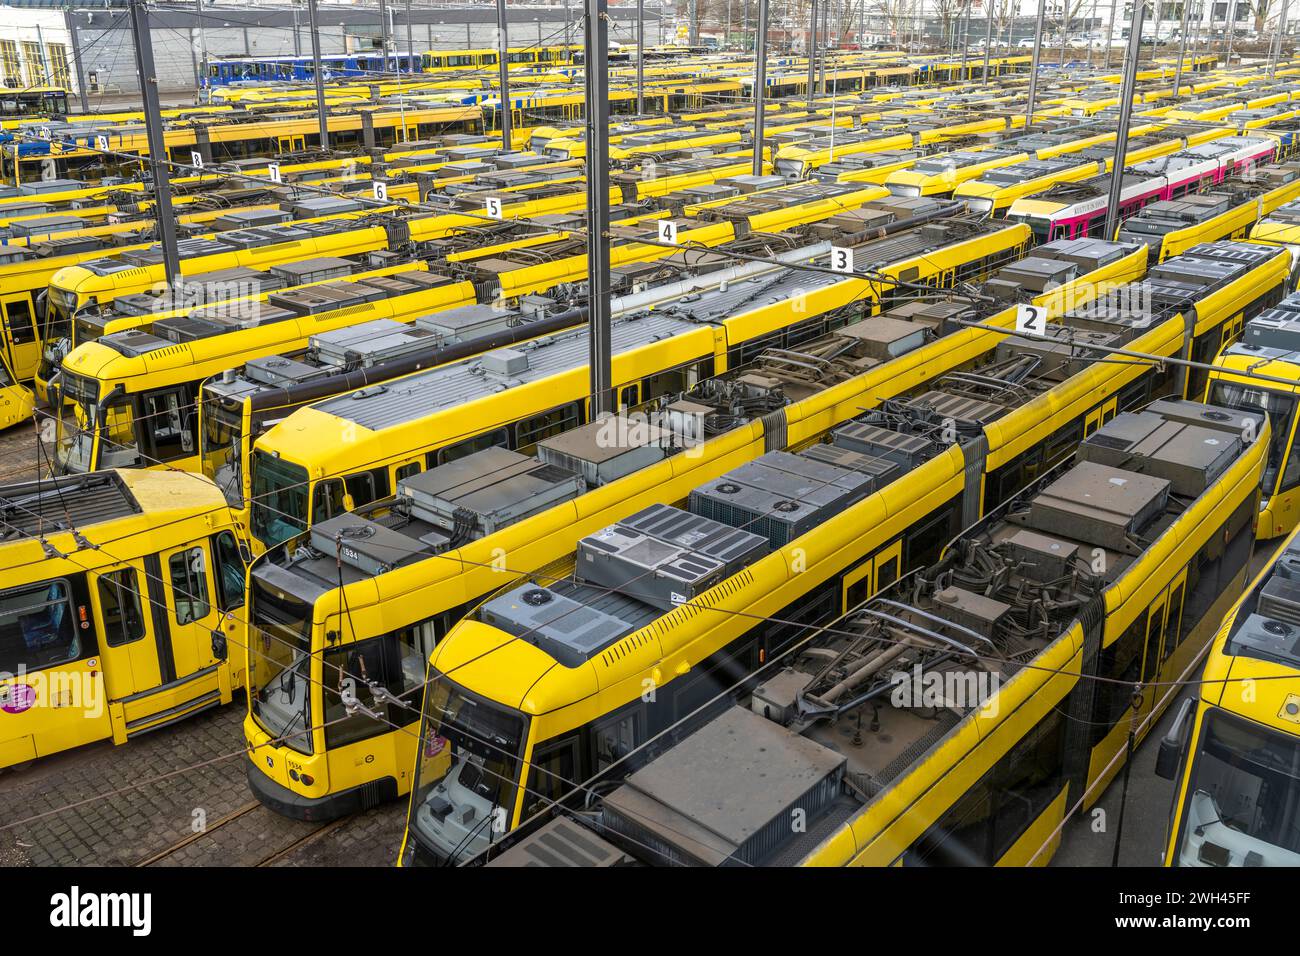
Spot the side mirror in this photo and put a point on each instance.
(1173, 743)
(218, 645)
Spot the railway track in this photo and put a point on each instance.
(255, 819)
(303, 841)
(195, 837)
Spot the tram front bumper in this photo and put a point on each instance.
(319, 809)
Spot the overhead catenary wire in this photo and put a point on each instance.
(553, 803)
(773, 262)
(1109, 350)
(1001, 331)
(556, 801)
(1117, 682)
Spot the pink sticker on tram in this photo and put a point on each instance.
(15, 698)
(434, 745)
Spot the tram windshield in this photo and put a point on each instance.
(468, 770)
(1280, 408)
(279, 498)
(279, 665)
(1244, 797)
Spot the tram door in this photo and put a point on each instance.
(1099, 416)
(20, 338)
(872, 575)
(130, 655)
(159, 618)
(192, 609)
(1164, 620)
(1163, 628)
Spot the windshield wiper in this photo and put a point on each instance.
(283, 731)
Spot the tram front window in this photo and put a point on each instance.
(56, 330)
(1280, 409)
(75, 429)
(279, 664)
(75, 449)
(1243, 804)
(467, 772)
(1041, 226)
(85, 331)
(279, 498)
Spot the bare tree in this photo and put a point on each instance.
(849, 15)
(1260, 10)
(947, 12)
(1070, 10)
(885, 16)
(1004, 14)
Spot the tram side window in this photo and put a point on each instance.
(37, 626)
(1027, 467)
(1173, 620)
(1240, 532)
(1135, 393)
(167, 424)
(498, 438)
(553, 773)
(1026, 780)
(1202, 572)
(394, 662)
(366, 486)
(1212, 571)
(1120, 662)
(347, 675)
(926, 539)
(327, 501)
(805, 331)
(987, 819)
(747, 352)
(616, 738)
(230, 571)
(189, 576)
(800, 616)
(671, 382)
(1291, 473)
(961, 836)
(699, 689)
(409, 651)
(553, 422)
(119, 597)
